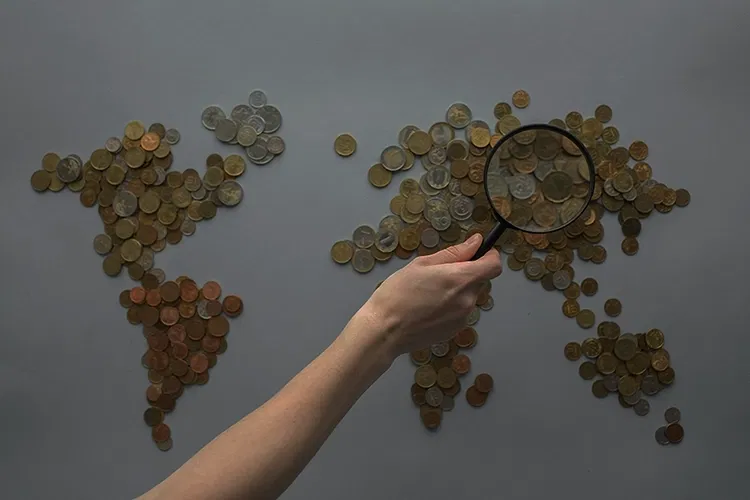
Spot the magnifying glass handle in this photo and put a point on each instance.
(490, 240)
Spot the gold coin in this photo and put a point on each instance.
(682, 198)
(606, 363)
(599, 390)
(572, 351)
(627, 386)
(134, 130)
(655, 338)
(50, 161)
(587, 370)
(502, 109)
(630, 246)
(638, 150)
(626, 347)
(639, 363)
(613, 308)
(585, 318)
(610, 135)
(507, 124)
(41, 180)
(409, 238)
(573, 120)
(345, 145)
(521, 99)
(379, 176)
(342, 251)
(234, 165)
(660, 360)
(419, 142)
(591, 348)
(603, 113)
(112, 265)
(480, 137)
(570, 308)
(425, 376)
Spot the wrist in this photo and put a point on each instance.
(374, 333)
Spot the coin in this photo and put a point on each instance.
(521, 99)
(585, 318)
(603, 113)
(589, 287)
(458, 115)
(419, 142)
(674, 433)
(599, 389)
(612, 307)
(655, 338)
(211, 116)
(572, 351)
(587, 370)
(345, 145)
(425, 376)
(342, 251)
(393, 158)
(363, 260)
(672, 415)
(661, 436)
(475, 398)
(642, 408)
(378, 176)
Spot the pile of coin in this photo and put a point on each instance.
(185, 327)
(143, 204)
(250, 125)
(631, 365)
(447, 204)
(672, 433)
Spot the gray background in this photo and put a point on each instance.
(71, 384)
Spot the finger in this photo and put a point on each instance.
(457, 253)
(486, 268)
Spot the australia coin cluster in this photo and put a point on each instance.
(252, 126)
(143, 204)
(673, 432)
(185, 327)
(437, 379)
(447, 203)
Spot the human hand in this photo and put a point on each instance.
(429, 300)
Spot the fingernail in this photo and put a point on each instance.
(475, 237)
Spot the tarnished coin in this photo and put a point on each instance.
(521, 99)
(393, 158)
(230, 193)
(386, 240)
(591, 348)
(672, 415)
(425, 376)
(68, 169)
(342, 251)
(226, 129)
(573, 351)
(599, 390)
(585, 318)
(434, 396)
(613, 307)
(589, 287)
(272, 117)
(674, 433)
(641, 408)
(475, 397)
(661, 436)
(587, 370)
(458, 115)
(211, 116)
(363, 260)
(441, 133)
(364, 237)
(345, 145)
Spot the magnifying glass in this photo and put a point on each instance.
(538, 178)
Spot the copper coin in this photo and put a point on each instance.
(189, 378)
(484, 382)
(158, 342)
(212, 358)
(201, 378)
(431, 418)
(418, 395)
(155, 377)
(176, 333)
(210, 343)
(675, 433)
(171, 385)
(165, 403)
(179, 350)
(475, 398)
(138, 295)
(187, 309)
(195, 328)
(169, 315)
(232, 305)
(153, 393)
(218, 326)
(157, 360)
(461, 364)
(150, 281)
(213, 308)
(170, 291)
(452, 391)
(153, 297)
(199, 363)
(134, 315)
(189, 291)
(211, 290)
(153, 417)
(466, 337)
(125, 300)
(161, 433)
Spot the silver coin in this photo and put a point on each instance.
(265, 160)
(146, 260)
(187, 227)
(257, 99)
(441, 220)
(609, 188)
(650, 385)
(448, 403)
(437, 155)
(201, 308)
(467, 225)
(430, 238)
(633, 399)
(610, 382)
(393, 222)
(226, 130)
(543, 169)
(521, 186)
(461, 207)
(440, 349)
(438, 177)
(211, 116)
(113, 145)
(434, 206)
(386, 240)
(426, 188)
(434, 396)
(454, 187)
(405, 133)
(630, 195)
(102, 244)
(426, 162)
(257, 151)
(172, 136)
(257, 123)
(76, 158)
(364, 237)
(125, 203)
(68, 169)
(473, 317)
(497, 184)
(276, 145)
(159, 274)
(661, 436)
(200, 193)
(458, 115)
(242, 113)
(363, 261)
(641, 408)
(441, 134)
(488, 305)
(272, 116)
(161, 176)
(561, 279)
(672, 415)
(393, 158)
(230, 193)
(246, 135)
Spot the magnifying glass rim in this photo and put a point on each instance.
(549, 128)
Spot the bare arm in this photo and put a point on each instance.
(262, 454)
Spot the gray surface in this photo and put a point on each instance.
(71, 385)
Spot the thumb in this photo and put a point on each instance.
(457, 253)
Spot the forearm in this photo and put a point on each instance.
(263, 453)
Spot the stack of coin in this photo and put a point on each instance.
(633, 366)
(252, 126)
(143, 205)
(447, 203)
(185, 328)
(672, 433)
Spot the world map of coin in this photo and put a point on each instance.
(185, 327)
(446, 203)
(252, 126)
